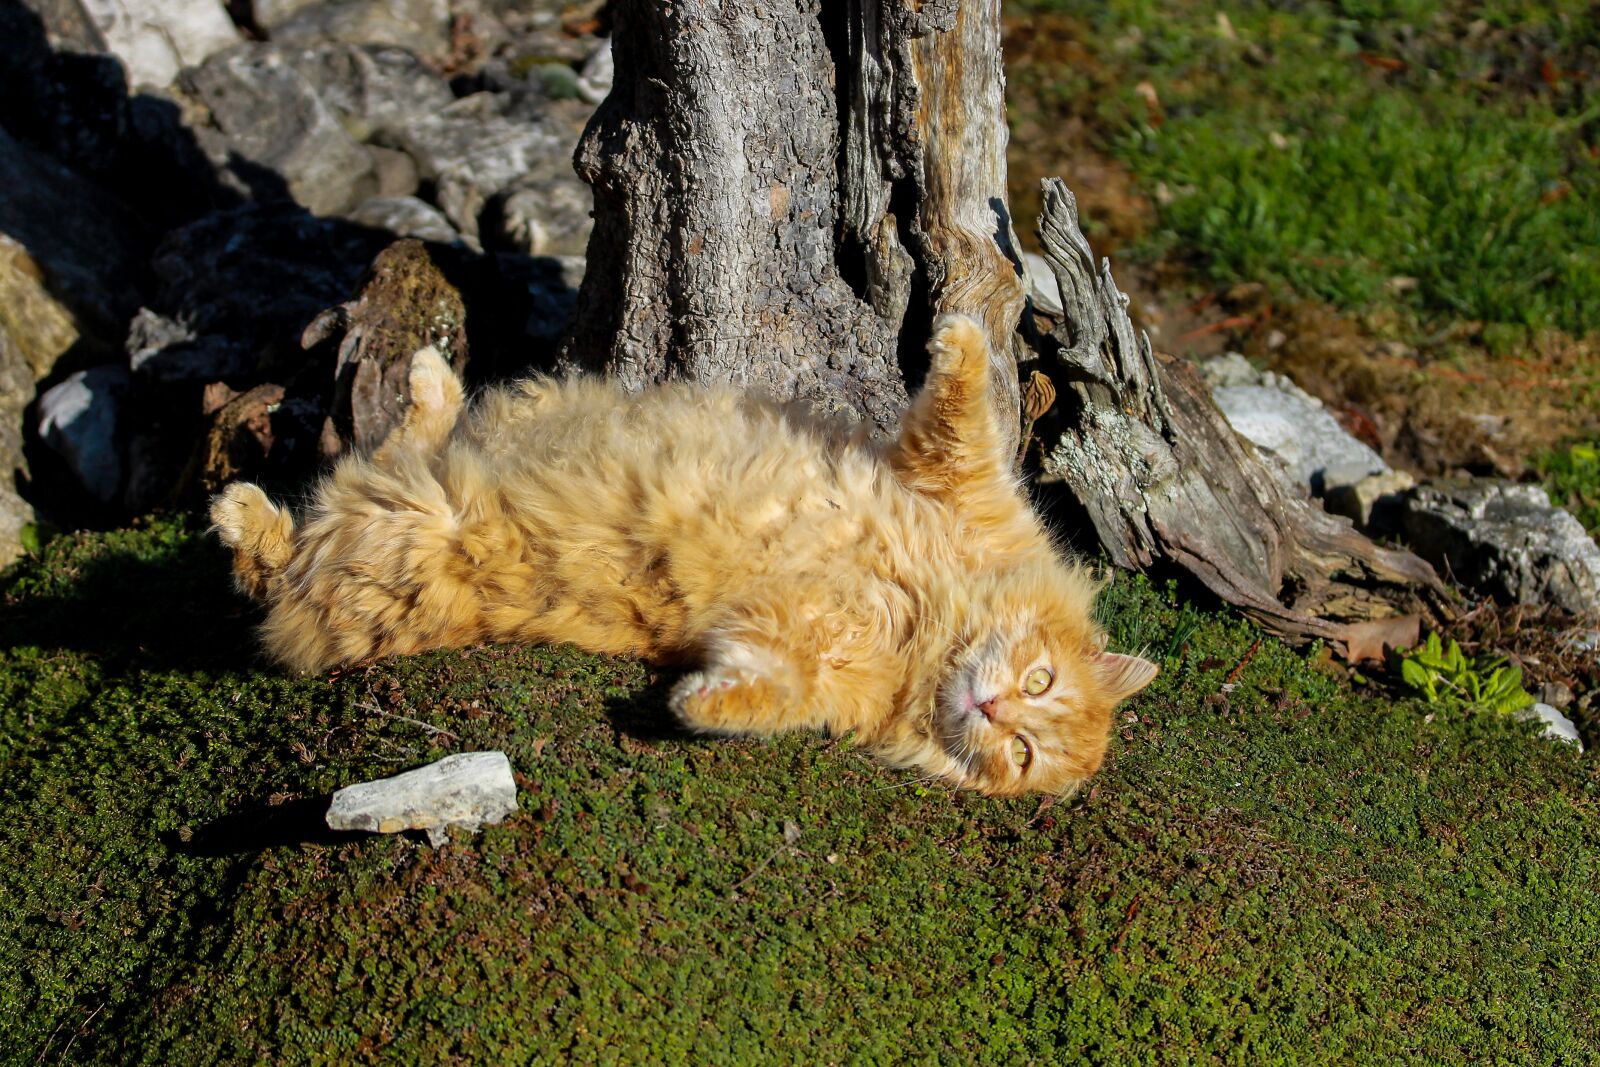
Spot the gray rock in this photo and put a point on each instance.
(265, 112)
(369, 89)
(1504, 540)
(270, 13)
(1042, 284)
(155, 39)
(420, 25)
(396, 172)
(552, 286)
(1298, 431)
(1556, 694)
(549, 217)
(256, 274)
(78, 419)
(1557, 726)
(466, 790)
(406, 216)
(471, 151)
(162, 349)
(1374, 503)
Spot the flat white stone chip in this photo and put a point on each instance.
(467, 790)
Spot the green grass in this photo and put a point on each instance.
(1572, 475)
(1283, 872)
(1360, 153)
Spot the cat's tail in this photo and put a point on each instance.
(260, 533)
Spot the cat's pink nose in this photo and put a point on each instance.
(988, 708)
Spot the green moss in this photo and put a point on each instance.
(1277, 872)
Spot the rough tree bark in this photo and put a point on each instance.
(786, 195)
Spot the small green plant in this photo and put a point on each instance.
(1445, 676)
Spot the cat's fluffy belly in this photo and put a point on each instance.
(905, 591)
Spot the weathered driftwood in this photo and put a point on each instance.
(786, 195)
(405, 303)
(1164, 477)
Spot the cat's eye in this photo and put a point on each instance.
(1038, 681)
(1021, 751)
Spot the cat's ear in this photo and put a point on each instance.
(1123, 676)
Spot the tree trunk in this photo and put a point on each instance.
(787, 195)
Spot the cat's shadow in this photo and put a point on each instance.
(163, 610)
(644, 717)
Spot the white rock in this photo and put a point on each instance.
(1557, 726)
(594, 81)
(157, 38)
(1042, 284)
(468, 790)
(1300, 432)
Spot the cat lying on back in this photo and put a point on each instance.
(904, 591)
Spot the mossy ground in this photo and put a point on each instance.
(1283, 871)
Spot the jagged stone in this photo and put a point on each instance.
(406, 216)
(1291, 425)
(1043, 288)
(1504, 540)
(548, 217)
(420, 25)
(1374, 503)
(157, 38)
(264, 112)
(82, 245)
(472, 150)
(16, 392)
(467, 790)
(369, 88)
(164, 350)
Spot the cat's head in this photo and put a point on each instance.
(1025, 698)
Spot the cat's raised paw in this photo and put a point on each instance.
(958, 344)
(240, 511)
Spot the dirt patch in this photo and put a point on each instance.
(1055, 85)
(1447, 404)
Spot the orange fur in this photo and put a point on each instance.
(905, 592)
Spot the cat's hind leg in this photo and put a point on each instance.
(437, 398)
(743, 689)
(260, 533)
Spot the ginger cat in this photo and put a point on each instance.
(904, 591)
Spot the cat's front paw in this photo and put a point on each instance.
(726, 702)
(959, 346)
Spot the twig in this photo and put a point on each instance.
(1244, 661)
(1127, 922)
(81, 1028)
(369, 705)
(757, 869)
